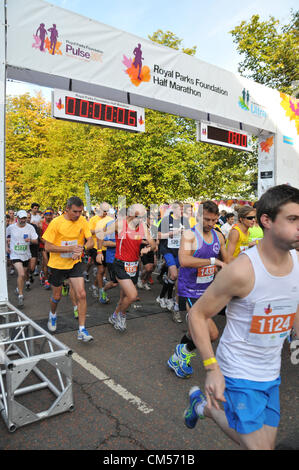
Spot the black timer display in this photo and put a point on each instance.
(228, 137)
(100, 112)
(212, 133)
(86, 109)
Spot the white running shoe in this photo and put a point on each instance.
(169, 304)
(161, 302)
(122, 322)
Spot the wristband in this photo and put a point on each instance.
(212, 261)
(211, 360)
(99, 251)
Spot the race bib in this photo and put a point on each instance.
(174, 242)
(20, 248)
(68, 243)
(243, 248)
(272, 322)
(131, 268)
(205, 274)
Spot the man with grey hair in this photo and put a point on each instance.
(130, 231)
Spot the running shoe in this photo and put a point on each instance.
(122, 322)
(47, 285)
(27, 285)
(113, 319)
(196, 397)
(84, 336)
(103, 298)
(161, 302)
(176, 316)
(184, 359)
(169, 304)
(20, 300)
(65, 290)
(52, 323)
(76, 313)
(175, 366)
(94, 291)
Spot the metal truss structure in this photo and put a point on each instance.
(31, 360)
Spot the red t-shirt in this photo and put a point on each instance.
(128, 242)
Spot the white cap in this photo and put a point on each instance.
(21, 214)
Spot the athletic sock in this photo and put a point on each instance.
(164, 289)
(170, 288)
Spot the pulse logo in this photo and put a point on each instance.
(247, 104)
(46, 40)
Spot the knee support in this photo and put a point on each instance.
(55, 301)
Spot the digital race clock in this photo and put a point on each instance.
(91, 110)
(221, 135)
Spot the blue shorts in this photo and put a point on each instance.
(171, 260)
(249, 405)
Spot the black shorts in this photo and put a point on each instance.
(93, 254)
(34, 250)
(57, 276)
(24, 263)
(183, 301)
(148, 258)
(121, 273)
(111, 272)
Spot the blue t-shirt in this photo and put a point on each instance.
(110, 251)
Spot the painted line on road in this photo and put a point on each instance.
(121, 391)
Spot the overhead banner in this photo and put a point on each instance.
(54, 41)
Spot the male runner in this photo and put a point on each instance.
(261, 290)
(19, 236)
(98, 222)
(129, 233)
(200, 247)
(169, 234)
(43, 225)
(64, 240)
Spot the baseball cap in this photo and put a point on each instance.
(21, 214)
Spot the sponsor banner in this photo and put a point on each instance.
(49, 39)
(266, 163)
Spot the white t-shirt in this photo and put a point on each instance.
(257, 325)
(19, 249)
(35, 219)
(225, 229)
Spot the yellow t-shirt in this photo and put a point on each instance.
(242, 243)
(96, 222)
(192, 221)
(63, 232)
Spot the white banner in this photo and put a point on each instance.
(45, 38)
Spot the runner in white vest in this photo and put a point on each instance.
(261, 291)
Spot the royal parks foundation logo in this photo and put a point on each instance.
(47, 40)
(247, 104)
(137, 72)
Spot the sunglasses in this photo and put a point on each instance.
(251, 217)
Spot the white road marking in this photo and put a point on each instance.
(121, 391)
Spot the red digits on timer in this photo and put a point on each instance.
(237, 139)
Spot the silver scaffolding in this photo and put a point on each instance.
(31, 360)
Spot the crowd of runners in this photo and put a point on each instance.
(197, 257)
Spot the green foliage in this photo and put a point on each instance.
(271, 51)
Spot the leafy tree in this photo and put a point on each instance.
(271, 51)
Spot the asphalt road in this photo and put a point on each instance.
(125, 396)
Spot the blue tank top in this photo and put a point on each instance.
(192, 282)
